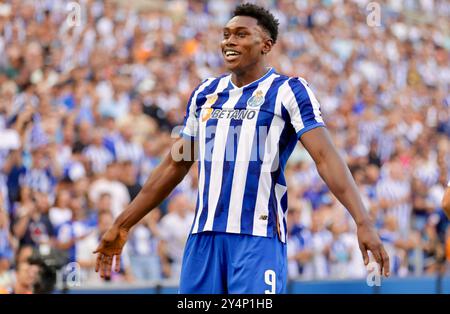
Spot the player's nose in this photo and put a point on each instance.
(230, 41)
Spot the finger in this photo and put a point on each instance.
(117, 268)
(98, 262)
(377, 255)
(102, 266)
(108, 265)
(364, 254)
(386, 262)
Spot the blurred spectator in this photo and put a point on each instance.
(394, 194)
(110, 184)
(143, 248)
(97, 154)
(174, 228)
(7, 246)
(26, 277)
(33, 226)
(129, 177)
(322, 240)
(60, 212)
(340, 253)
(299, 245)
(73, 233)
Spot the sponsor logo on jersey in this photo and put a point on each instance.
(232, 114)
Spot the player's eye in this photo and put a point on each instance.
(241, 34)
(226, 35)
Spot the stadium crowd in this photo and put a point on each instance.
(88, 108)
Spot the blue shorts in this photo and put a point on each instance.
(220, 263)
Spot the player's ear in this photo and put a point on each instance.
(267, 45)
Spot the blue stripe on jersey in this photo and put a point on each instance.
(211, 124)
(305, 106)
(254, 167)
(221, 214)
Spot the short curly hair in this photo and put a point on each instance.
(265, 19)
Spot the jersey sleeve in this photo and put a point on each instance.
(190, 123)
(302, 107)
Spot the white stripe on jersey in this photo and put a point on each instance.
(221, 86)
(244, 150)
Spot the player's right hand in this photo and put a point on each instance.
(110, 247)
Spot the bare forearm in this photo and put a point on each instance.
(158, 186)
(446, 202)
(335, 172)
(337, 176)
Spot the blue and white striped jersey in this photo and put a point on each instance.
(245, 136)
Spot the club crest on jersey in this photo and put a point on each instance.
(256, 100)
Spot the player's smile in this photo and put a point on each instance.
(231, 55)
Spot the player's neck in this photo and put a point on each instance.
(245, 77)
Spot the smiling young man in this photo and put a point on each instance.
(244, 126)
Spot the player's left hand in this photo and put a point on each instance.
(110, 247)
(369, 240)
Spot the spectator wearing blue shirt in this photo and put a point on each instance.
(33, 226)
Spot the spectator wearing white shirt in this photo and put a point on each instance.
(174, 229)
(60, 212)
(142, 248)
(110, 184)
(394, 194)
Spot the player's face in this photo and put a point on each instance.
(244, 43)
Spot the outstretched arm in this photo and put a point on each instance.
(337, 176)
(166, 176)
(158, 186)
